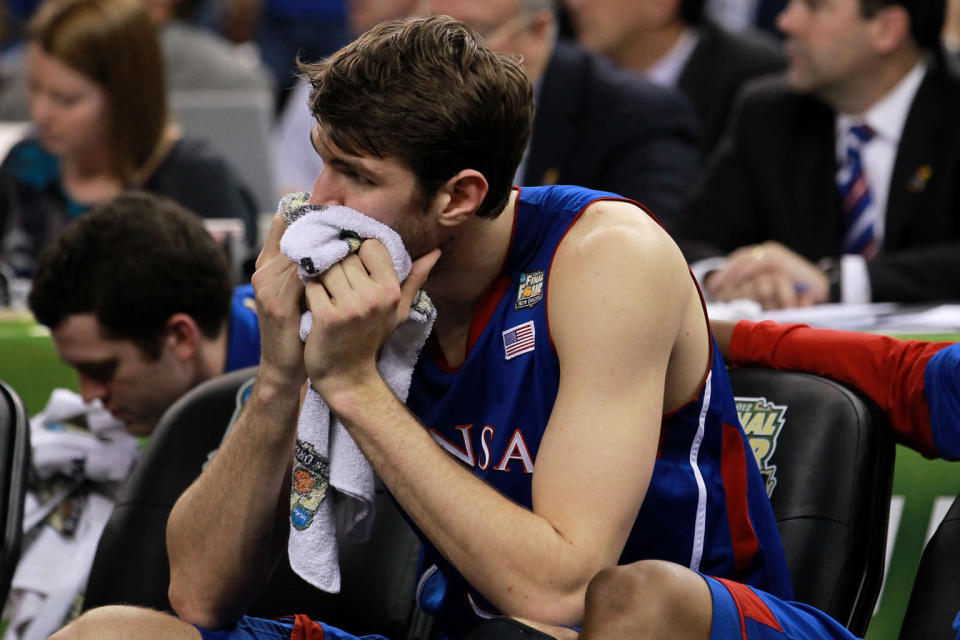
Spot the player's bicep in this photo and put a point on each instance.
(615, 307)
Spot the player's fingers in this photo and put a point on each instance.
(376, 260)
(418, 275)
(335, 282)
(271, 246)
(785, 290)
(355, 272)
(317, 297)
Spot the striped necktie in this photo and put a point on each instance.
(855, 197)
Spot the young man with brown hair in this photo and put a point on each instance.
(138, 300)
(570, 336)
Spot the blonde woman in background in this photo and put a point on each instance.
(99, 109)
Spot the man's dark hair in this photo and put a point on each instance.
(133, 263)
(926, 18)
(429, 93)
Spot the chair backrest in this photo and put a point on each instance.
(14, 465)
(935, 598)
(237, 124)
(827, 454)
(131, 563)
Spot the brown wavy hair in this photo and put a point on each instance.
(115, 44)
(430, 94)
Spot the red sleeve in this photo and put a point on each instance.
(888, 370)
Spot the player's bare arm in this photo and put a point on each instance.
(226, 531)
(596, 460)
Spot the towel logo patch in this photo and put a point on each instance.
(519, 340)
(311, 477)
(762, 422)
(531, 290)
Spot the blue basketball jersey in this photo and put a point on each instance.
(942, 384)
(706, 507)
(243, 341)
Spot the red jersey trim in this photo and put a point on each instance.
(750, 605)
(306, 629)
(733, 470)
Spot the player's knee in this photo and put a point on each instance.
(651, 589)
(112, 621)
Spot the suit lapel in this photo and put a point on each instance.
(916, 157)
(699, 80)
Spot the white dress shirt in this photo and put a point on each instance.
(666, 71)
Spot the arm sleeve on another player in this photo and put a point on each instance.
(890, 371)
(942, 377)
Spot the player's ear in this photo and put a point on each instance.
(459, 197)
(183, 336)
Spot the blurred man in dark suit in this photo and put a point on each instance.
(595, 126)
(839, 181)
(672, 44)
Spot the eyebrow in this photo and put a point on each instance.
(342, 163)
(338, 160)
(96, 368)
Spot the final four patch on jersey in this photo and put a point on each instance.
(531, 290)
(762, 421)
(519, 340)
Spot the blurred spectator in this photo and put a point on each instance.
(595, 126)
(672, 44)
(98, 103)
(296, 163)
(364, 14)
(839, 181)
(195, 58)
(744, 15)
(951, 29)
(285, 30)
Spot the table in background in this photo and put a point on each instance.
(28, 360)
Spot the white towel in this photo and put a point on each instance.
(333, 483)
(80, 455)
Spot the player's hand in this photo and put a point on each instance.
(770, 274)
(356, 306)
(279, 292)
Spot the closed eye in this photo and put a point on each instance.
(97, 371)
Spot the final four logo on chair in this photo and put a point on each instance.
(311, 477)
(762, 421)
(531, 290)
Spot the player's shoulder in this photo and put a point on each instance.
(616, 243)
(619, 224)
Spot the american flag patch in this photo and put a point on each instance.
(518, 340)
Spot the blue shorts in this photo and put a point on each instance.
(298, 627)
(746, 613)
(739, 612)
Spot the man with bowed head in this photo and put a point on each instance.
(138, 300)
